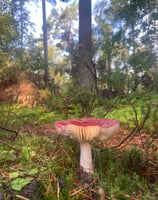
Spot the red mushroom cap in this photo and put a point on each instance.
(87, 129)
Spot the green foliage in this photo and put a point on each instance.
(6, 155)
(132, 159)
(18, 116)
(72, 102)
(126, 48)
(25, 153)
(7, 76)
(8, 32)
(136, 109)
(61, 25)
(19, 183)
(13, 174)
(142, 61)
(117, 80)
(81, 100)
(118, 174)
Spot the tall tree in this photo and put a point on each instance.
(8, 33)
(21, 17)
(133, 31)
(108, 44)
(63, 33)
(45, 39)
(86, 71)
(61, 23)
(45, 42)
(140, 22)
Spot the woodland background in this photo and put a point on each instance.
(108, 71)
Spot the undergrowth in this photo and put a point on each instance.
(47, 167)
(53, 164)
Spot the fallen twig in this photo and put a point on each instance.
(11, 147)
(11, 131)
(21, 197)
(6, 129)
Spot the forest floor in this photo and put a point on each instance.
(120, 141)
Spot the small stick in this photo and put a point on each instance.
(9, 146)
(101, 194)
(6, 129)
(21, 197)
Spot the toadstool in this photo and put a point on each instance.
(86, 130)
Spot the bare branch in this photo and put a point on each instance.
(11, 147)
(6, 129)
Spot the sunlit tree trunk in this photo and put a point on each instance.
(46, 75)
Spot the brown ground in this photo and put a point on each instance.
(22, 91)
(135, 140)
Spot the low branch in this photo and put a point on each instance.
(132, 134)
(138, 125)
(11, 147)
(11, 131)
(6, 129)
(113, 105)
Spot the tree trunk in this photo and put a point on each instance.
(21, 26)
(136, 82)
(86, 72)
(45, 42)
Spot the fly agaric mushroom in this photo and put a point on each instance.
(86, 130)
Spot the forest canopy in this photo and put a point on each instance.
(123, 51)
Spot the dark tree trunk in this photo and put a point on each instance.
(21, 31)
(85, 30)
(21, 26)
(136, 81)
(86, 72)
(46, 75)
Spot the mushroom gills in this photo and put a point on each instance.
(82, 133)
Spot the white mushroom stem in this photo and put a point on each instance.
(86, 157)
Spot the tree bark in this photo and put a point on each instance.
(45, 42)
(86, 72)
